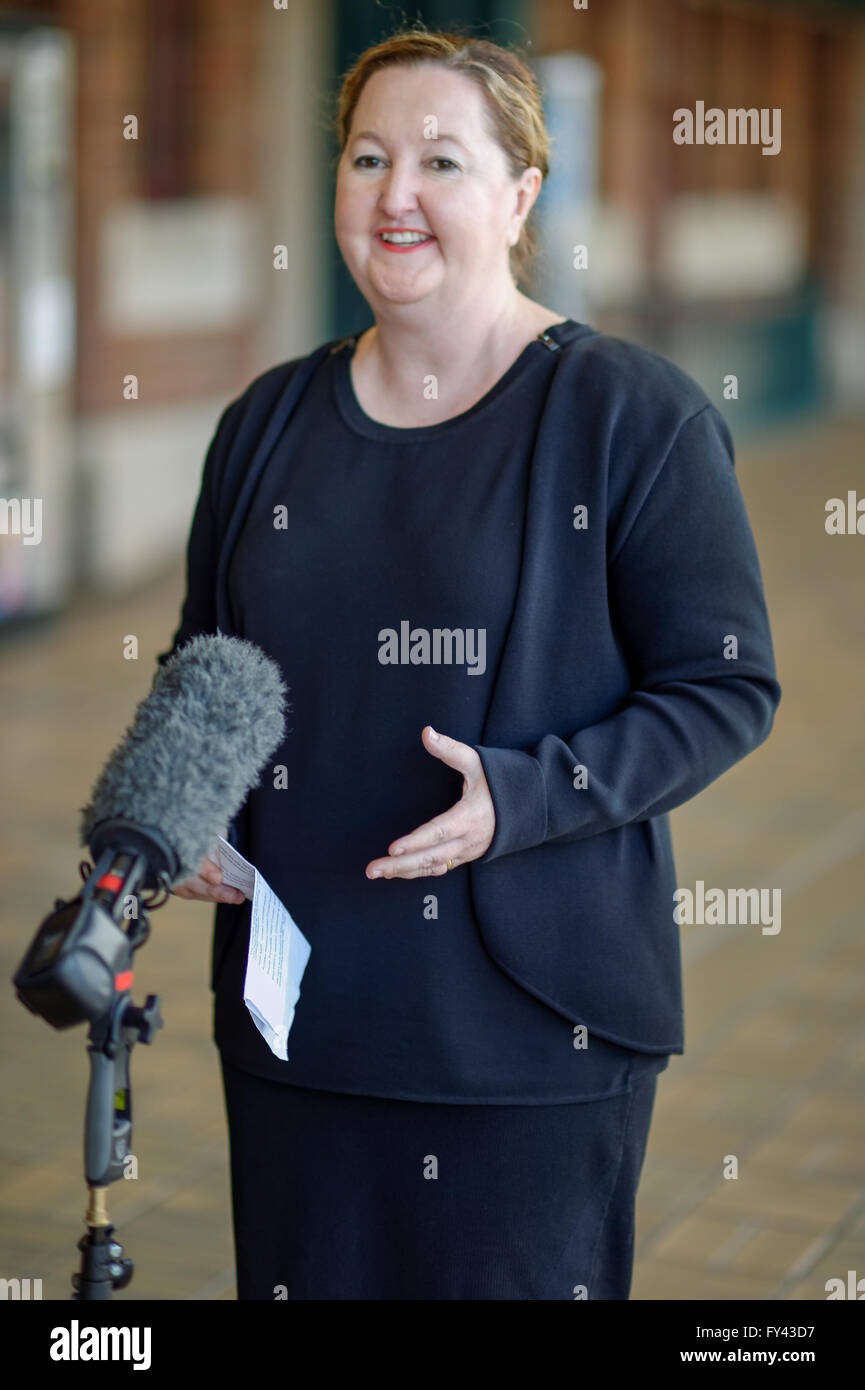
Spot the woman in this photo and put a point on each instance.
(506, 568)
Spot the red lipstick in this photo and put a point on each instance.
(403, 247)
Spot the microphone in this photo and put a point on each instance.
(196, 747)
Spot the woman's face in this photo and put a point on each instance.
(456, 190)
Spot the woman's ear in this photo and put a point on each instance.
(527, 189)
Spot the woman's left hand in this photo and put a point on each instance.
(461, 834)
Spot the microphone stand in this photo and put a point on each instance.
(79, 966)
(107, 1137)
(109, 1115)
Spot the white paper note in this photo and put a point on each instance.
(278, 951)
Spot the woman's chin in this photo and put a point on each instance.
(398, 289)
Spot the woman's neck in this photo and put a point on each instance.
(397, 362)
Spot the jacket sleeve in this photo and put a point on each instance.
(685, 592)
(198, 612)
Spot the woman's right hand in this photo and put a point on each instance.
(207, 887)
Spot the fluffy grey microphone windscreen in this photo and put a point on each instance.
(197, 744)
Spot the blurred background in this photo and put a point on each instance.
(153, 256)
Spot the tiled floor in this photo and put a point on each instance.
(773, 1082)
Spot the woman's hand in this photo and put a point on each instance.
(206, 886)
(463, 833)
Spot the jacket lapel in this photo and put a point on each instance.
(245, 483)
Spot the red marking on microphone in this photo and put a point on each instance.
(110, 880)
(123, 980)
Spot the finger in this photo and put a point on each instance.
(450, 825)
(421, 863)
(456, 754)
(198, 889)
(210, 871)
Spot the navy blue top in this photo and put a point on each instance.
(359, 528)
(586, 514)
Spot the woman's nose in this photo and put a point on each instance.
(399, 192)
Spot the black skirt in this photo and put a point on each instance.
(359, 1197)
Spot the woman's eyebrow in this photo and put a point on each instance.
(371, 135)
(455, 140)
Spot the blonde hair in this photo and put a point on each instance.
(513, 100)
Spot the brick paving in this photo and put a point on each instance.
(774, 1074)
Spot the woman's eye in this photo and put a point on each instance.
(360, 163)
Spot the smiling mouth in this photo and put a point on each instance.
(403, 241)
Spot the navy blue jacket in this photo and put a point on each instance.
(638, 668)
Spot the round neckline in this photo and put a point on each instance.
(357, 419)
